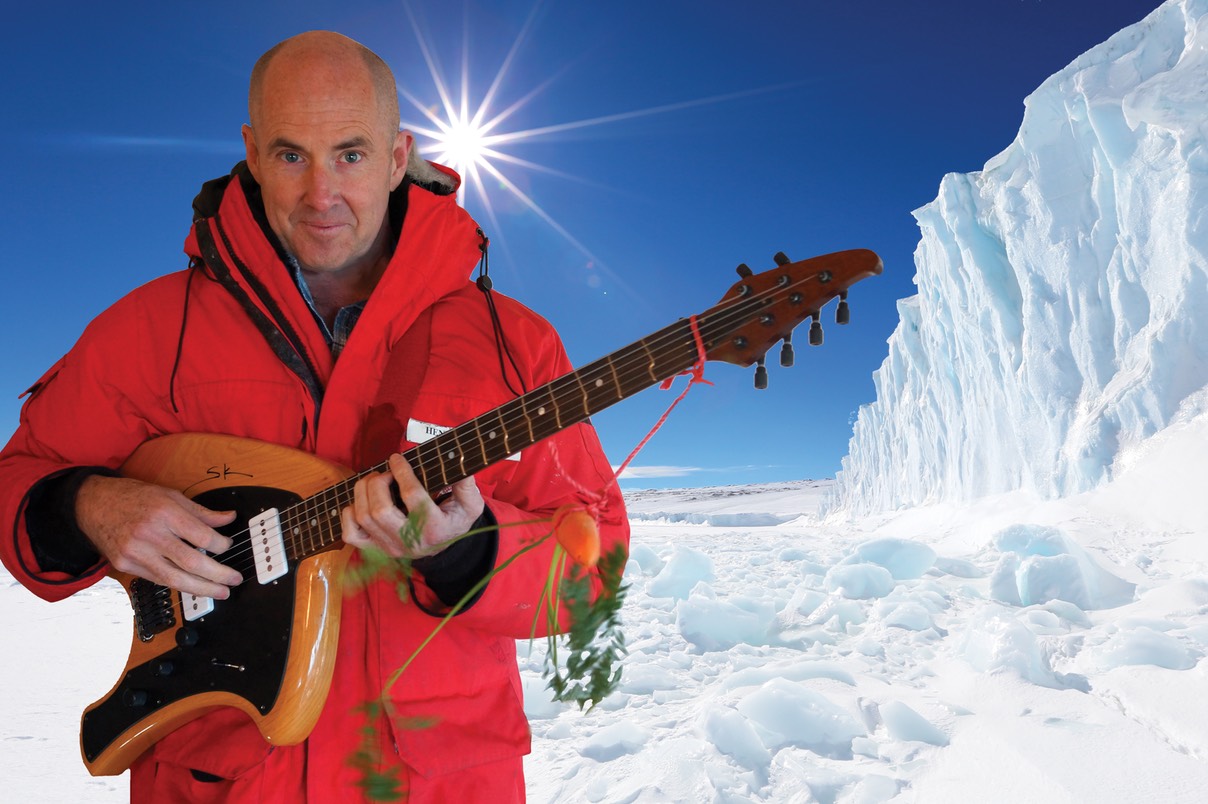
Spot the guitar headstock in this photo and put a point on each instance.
(761, 309)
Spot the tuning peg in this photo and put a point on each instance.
(761, 374)
(816, 332)
(842, 312)
(781, 258)
(786, 351)
(744, 270)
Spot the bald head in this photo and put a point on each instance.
(314, 53)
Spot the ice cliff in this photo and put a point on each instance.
(1062, 307)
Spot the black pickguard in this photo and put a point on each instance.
(241, 647)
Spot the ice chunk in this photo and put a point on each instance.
(683, 570)
(733, 735)
(1040, 564)
(859, 581)
(905, 559)
(995, 641)
(903, 723)
(646, 559)
(615, 741)
(785, 713)
(1141, 645)
(712, 624)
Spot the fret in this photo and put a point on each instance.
(528, 420)
(417, 465)
(312, 514)
(503, 430)
(330, 520)
(434, 446)
(307, 536)
(482, 446)
(583, 392)
(649, 361)
(554, 404)
(450, 450)
(616, 381)
(303, 533)
(299, 511)
(461, 452)
(293, 550)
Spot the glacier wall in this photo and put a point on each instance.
(1062, 307)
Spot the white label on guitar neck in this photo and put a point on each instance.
(268, 546)
(195, 607)
(418, 432)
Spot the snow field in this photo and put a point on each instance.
(829, 662)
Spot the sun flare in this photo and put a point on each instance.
(460, 144)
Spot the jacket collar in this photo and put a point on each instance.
(437, 250)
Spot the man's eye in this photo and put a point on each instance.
(290, 157)
(352, 157)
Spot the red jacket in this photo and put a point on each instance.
(157, 362)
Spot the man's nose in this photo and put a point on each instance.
(322, 189)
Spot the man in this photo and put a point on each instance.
(334, 221)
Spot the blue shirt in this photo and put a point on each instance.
(346, 317)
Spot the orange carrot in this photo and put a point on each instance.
(575, 529)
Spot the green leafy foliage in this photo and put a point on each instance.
(378, 781)
(595, 641)
(378, 565)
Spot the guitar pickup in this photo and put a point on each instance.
(195, 607)
(268, 546)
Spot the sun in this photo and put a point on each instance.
(469, 134)
(461, 144)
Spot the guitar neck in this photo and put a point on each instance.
(520, 423)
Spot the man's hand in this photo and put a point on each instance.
(373, 519)
(154, 533)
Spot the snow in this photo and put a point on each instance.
(765, 681)
(1003, 597)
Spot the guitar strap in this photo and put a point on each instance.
(406, 366)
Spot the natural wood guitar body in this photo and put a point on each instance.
(192, 667)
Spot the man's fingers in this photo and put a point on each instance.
(183, 580)
(212, 518)
(375, 516)
(201, 566)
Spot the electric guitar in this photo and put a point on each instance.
(269, 649)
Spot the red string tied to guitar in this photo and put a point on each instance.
(594, 500)
(695, 374)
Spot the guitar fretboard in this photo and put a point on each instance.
(313, 525)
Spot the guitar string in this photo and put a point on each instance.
(294, 517)
(727, 316)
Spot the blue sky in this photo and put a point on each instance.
(680, 139)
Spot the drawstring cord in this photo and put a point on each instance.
(180, 342)
(501, 344)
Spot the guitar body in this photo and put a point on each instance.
(268, 650)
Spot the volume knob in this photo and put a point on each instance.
(134, 698)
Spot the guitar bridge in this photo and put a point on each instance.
(153, 608)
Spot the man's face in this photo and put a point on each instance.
(326, 160)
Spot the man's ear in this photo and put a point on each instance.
(401, 154)
(253, 156)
